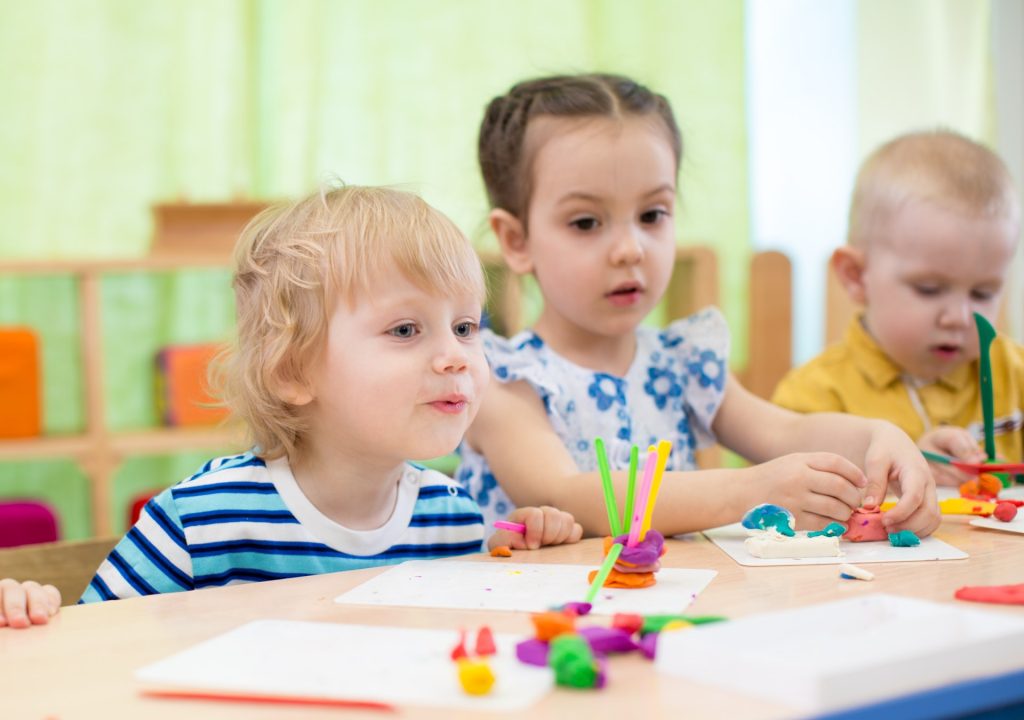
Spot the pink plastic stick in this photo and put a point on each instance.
(510, 526)
(641, 501)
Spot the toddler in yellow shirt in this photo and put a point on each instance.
(933, 226)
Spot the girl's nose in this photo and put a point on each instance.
(627, 248)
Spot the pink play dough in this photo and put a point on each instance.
(866, 526)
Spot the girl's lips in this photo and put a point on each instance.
(626, 296)
(450, 406)
(946, 351)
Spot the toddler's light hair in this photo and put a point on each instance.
(937, 166)
(294, 262)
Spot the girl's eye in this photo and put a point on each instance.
(653, 216)
(405, 330)
(466, 329)
(927, 290)
(982, 295)
(584, 223)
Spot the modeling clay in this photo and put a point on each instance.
(904, 538)
(1000, 594)
(573, 662)
(533, 652)
(552, 624)
(629, 622)
(852, 572)
(475, 676)
(501, 551)
(766, 515)
(833, 529)
(1005, 511)
(459, 651)
(865, 526)
(485, 642)
(608, 640)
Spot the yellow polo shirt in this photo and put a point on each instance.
(855, 376)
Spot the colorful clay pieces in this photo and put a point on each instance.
(579, 655)
(999, 594)
(636, 565)
(771, 535)
(475, 675)
(866, 526)
(631, 553)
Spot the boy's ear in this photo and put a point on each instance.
(511, 240)
(291, 390)
(848, 265)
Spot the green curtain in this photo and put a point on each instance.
(114, 105)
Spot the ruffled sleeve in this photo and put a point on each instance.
(700, 344)
(521, 357)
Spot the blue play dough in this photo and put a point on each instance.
(766, 515)
(833, 529)
(904, 538)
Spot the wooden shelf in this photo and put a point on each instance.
(99, 451)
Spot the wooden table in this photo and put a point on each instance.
(82, 664)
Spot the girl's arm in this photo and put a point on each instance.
(759, 430)
(528, 458)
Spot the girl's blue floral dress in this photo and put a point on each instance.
(671, 392)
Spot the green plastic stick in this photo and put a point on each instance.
(935, 457)
(986, 334)
(609, 490)
(627, 518)
(602, 574)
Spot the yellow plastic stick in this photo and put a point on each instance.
(664, 448)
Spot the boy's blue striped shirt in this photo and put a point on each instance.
(240, 519)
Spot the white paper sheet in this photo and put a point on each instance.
(398, 666)
(848, 652)
(520, 586)
(730, 539)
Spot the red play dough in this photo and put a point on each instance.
(1005, 511)
(1001, 594)
(865, 526)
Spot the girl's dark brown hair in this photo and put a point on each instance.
(500, 149)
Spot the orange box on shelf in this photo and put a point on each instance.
(20, 388)
(183, 398)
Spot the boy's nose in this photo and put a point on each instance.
(956, 313)
(451, 358)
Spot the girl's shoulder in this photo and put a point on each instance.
(524, 356)
(705, 330)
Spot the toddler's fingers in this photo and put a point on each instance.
(911, 500)
(576, 534)
(827, 507)
(40, 602)
(12, 604)
(826, 484)
(533, 518)
(837, 465)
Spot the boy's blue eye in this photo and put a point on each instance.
(466, 329)
(405, 330)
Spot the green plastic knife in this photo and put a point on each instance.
(986, 334)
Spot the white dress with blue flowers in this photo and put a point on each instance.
(671, 392)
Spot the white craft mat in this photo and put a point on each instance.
(520, 586)
(397, 666)
(730, 539)
(846, 652)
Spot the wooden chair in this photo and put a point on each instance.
(68, 565)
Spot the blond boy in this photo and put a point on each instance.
(933, 227)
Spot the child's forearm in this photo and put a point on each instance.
(687, 501)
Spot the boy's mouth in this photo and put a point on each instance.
(945, 351)
(450, 404)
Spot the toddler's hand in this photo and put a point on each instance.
(954, 441)
(544, 526)
(27, 603)
(818, 488)
(892, 459)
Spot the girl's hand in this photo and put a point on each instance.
(27, 603)
(893, 460)
(817, 487)
(544, 526)
(956, 442)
